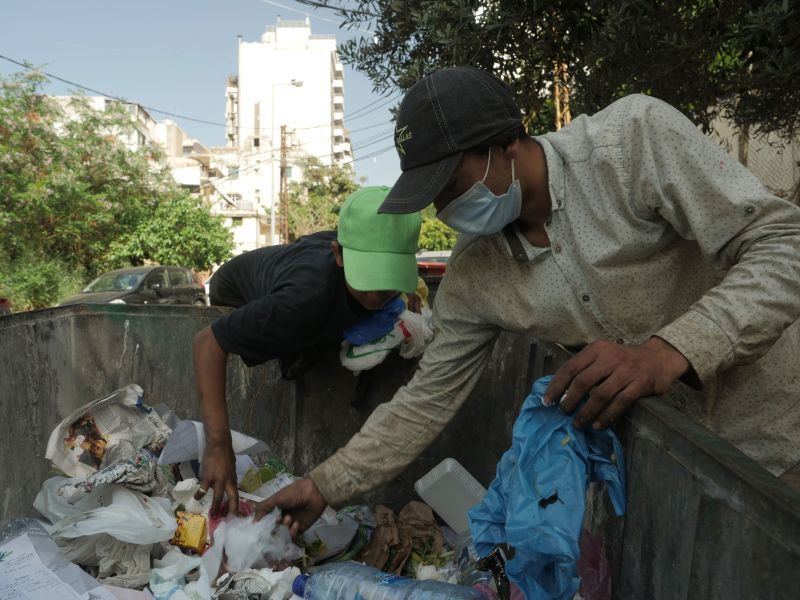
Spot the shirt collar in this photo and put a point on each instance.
(555, 173)
(517, 245)
(520, 248)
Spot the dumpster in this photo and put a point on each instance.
(703, 520)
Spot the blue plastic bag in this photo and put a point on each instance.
(537, 500)
(376, 325)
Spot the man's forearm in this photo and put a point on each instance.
(210, 361)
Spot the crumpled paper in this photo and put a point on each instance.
(394, 539)
(140, 473)
(264, 584)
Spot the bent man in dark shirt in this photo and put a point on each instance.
(296, 298)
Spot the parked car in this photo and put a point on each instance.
(143, 285)
(432, 265)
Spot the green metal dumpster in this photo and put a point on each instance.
(703, 520)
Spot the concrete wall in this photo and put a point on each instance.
(703, 521)
(55, 360)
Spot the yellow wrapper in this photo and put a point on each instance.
(191, 531)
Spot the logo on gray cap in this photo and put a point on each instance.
(402, 135)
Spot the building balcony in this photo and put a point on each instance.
(338, 117)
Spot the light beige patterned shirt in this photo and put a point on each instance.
(654, 231)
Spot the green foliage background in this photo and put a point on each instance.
(75, 201)
(315, 201)
(435, 235)
(739, 58)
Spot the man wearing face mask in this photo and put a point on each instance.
(628, 234)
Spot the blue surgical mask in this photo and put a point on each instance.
(479, 212)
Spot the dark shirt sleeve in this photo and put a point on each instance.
(282, 322)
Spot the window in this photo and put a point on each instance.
(233, 172)
(256, 142)
(179, 277)
(289, 171)
(236, 221)
(156, 279)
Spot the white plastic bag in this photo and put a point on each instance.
(112, 528)
(168, 578)
(248, 544)
(367, 356)
(121, 513)
(412, 333)
(187, 442)
(420, 332)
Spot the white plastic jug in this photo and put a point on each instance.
(451, 491)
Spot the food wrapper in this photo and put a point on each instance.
(191, 531)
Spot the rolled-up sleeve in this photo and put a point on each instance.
(399, 430)
(679, 175)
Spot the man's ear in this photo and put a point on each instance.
(337, 253)
(513, 150)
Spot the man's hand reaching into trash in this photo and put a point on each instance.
(219, 475)
(219, 462)
(614, 376)
(301, 503)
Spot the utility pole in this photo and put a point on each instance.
(284, 189)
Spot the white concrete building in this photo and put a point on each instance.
(188, 159)
(241, 212)
(144, 124)
(290, 78)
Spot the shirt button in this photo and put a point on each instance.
(750, 210)
(620, 341)
(585, 298)
(557, 249)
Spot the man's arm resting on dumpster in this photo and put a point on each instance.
(679, 176)
(219, 463)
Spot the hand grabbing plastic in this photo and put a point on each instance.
(300, 502)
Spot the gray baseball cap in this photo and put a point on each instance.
(442, 115)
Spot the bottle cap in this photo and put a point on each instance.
(299, 585)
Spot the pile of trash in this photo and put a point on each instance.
(122, 520)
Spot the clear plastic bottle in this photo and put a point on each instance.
(351, 581)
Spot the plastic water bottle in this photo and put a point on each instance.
(352, 581)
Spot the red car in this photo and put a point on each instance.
(432, 265)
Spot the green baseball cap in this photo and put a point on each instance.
(379, 249)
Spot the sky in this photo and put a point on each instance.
(175, 55)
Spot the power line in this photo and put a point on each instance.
(180, 116)
(357, 114)
(272, 156)
(111, 96)
(374, 154)
(386, 100)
